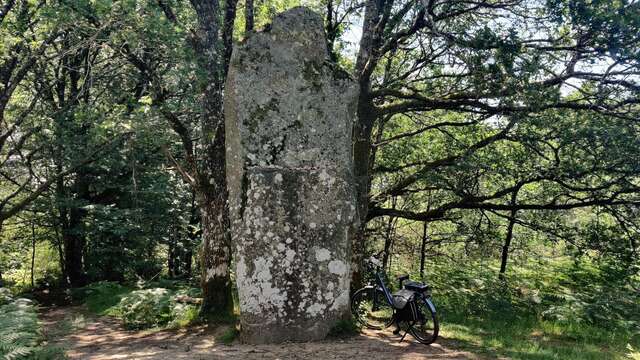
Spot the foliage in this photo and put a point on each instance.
(20, 336)
(101, 297)
(477, 115)
(542, 310)
(146, 307)
(344, 327)
(229, 335)
(5, 296)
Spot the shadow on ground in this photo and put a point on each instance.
(103, 338)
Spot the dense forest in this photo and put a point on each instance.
(496, 153)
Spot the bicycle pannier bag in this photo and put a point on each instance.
(405, 304)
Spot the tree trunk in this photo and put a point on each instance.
(72, 232)
(70, 218)
(192, 236)
(248, 16)
(74, 244)
(423, 249)
(215, 257)
(33, 252)
(60, 251)
(388, 239)
(211, 188)
(362, 130)
(509, 237)
(171, 256)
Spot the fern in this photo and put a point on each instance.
(20, 335)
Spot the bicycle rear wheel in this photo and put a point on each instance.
(425, 330)
(370, 308)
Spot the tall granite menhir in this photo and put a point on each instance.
(289, 114)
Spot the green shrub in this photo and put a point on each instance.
(5, 296)
(184, 314)
(155, 307)
(344, 327)
(20, 335)
(229, 335)
(146, 308)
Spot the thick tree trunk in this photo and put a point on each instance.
(362, 130)
(211, 189)
(215, 257)
(74, 263)
(72, 239)
(74, 244)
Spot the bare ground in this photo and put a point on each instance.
(103, 338)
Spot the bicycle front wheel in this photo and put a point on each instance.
(425, 330)
(370, 308)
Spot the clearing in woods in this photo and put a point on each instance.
(86, 336)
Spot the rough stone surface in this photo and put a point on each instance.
(289, 115)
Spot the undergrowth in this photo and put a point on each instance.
(553, 309)
(20, 332)
(142, 307)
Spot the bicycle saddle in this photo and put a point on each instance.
(416, 286)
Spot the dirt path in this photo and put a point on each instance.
(102, 338)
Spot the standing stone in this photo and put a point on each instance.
(289, 114)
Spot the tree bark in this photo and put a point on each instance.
(211, 187)
(366, 117)
(171, 256)
(423, 248)
(509, 237)
(248, 16)
(74, 244)
(388, 239)
(33, 252)
(216, 256)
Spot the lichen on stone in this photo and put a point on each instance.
(288, 126)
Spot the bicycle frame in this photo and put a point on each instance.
(379, 284)
(385, 289)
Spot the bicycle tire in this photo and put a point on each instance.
(363, 311)
(427, 328)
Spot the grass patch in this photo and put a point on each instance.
(229, 336)
(532, 338)
(554, 307)
(102, 298)
(344, 328)
(540, 311)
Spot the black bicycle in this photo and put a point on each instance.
(409, 308)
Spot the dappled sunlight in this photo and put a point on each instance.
(103, 338)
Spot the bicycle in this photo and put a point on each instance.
(375, 307)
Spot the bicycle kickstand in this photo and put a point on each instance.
(406, 331)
